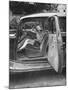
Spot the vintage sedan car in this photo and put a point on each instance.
(39, 43)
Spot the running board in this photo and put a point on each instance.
(26, 67)
(35, 58)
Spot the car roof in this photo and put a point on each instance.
(43, 15)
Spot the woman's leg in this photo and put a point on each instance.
(27, 41)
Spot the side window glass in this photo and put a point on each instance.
(52, 27)
(46, 24)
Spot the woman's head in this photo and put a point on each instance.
(39, 28)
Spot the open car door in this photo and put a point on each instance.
(55, 51)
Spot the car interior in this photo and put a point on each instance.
(33, 38)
